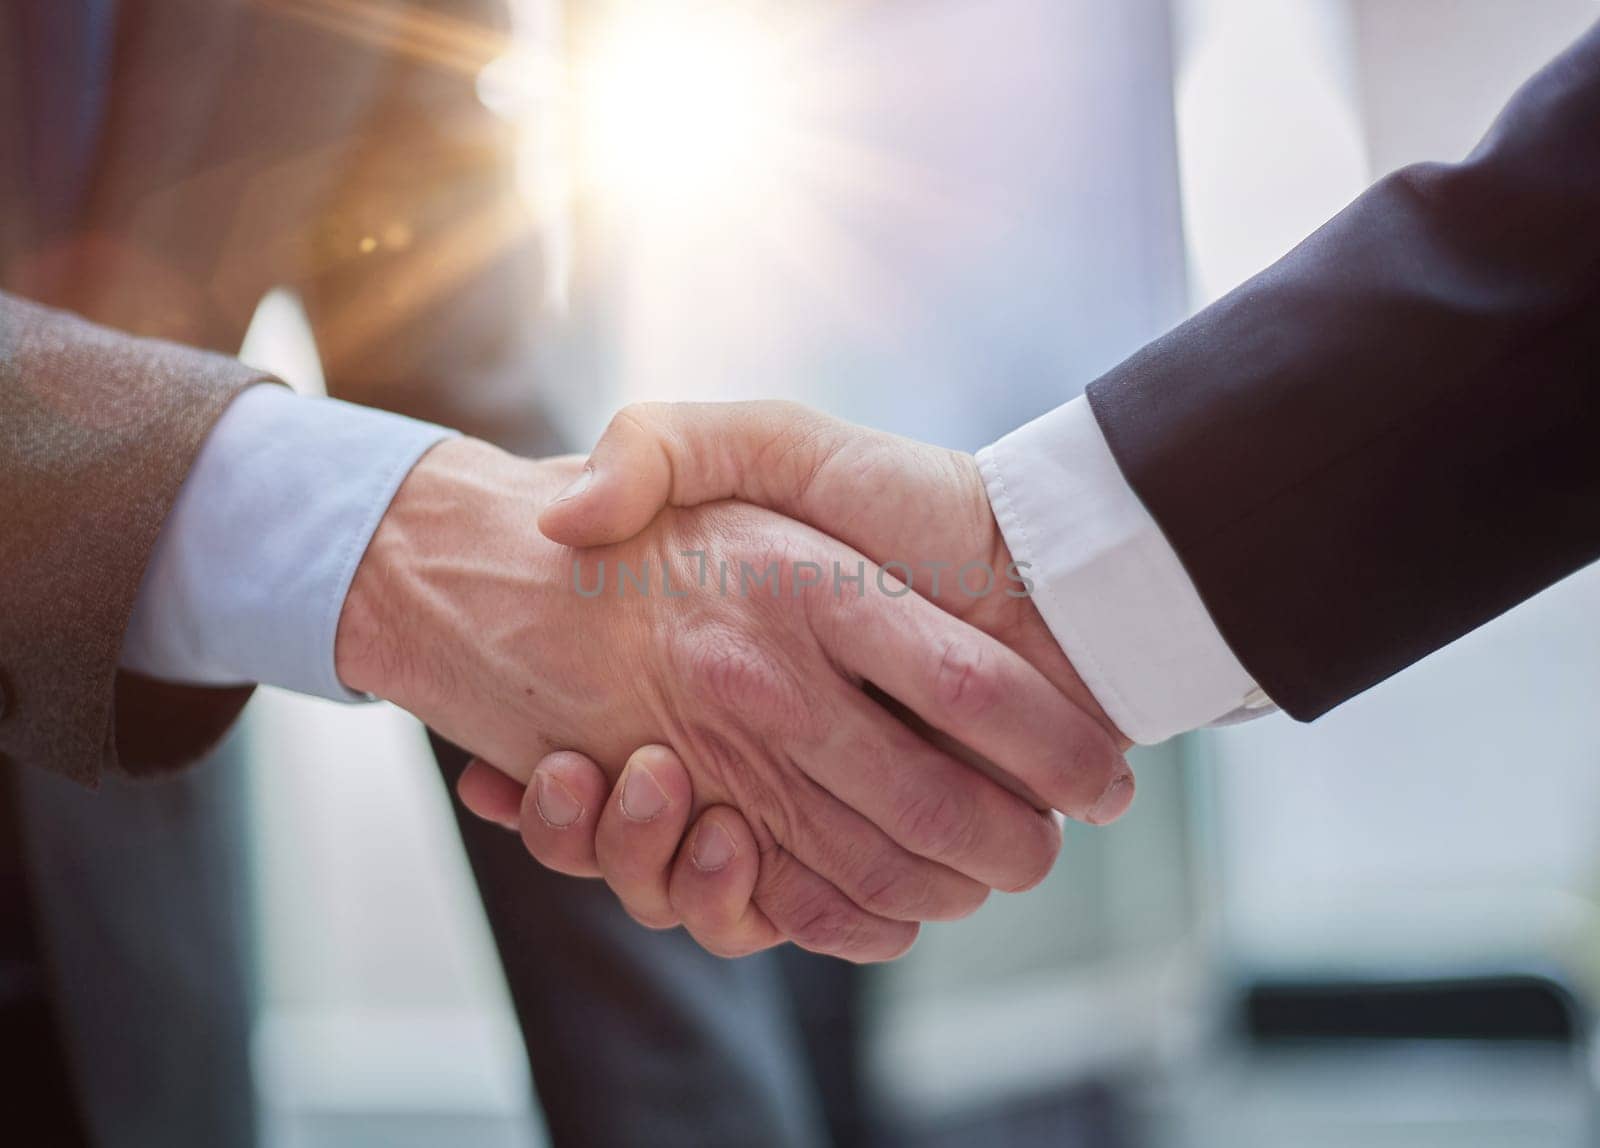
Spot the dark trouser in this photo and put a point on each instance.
(141, 914)
(140, 902)
(39, 1103)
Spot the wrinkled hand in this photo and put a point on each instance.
(463, 613)
(893, 499)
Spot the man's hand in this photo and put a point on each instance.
(893, 499)
(663, 870)
(463, 613)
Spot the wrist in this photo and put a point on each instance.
(400, 626)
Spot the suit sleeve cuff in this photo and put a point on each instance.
(1108, 584)
(250, 572)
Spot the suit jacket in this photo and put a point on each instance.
(1393, 434)
(163, 163)
(235, 145)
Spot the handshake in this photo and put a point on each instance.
(773, 676)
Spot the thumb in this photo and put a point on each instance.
(654, 455)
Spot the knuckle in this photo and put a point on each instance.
(764, 566)
(825, 923)
(798, 449)
(788, 424)
(732, 672)
(967, 683)
(894, 891)
(762, 788)
(788, 411)
(643, 416)
(936, 822)
(716, 768)
(1041, 851)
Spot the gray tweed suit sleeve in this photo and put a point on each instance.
(97, 432)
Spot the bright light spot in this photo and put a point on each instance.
(685, 107)
(661, 135)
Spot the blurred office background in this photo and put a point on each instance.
(943, 217)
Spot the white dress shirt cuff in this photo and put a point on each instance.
(1108, 584)
(250, 572)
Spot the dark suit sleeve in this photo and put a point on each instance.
(97, 432)
(1392, 435)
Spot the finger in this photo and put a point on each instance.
(815, 915)
(490, 794)
(860, 860)
(561, 810)
(713, 886)
(931, 804)
(683, 454)
(640, 831)
(984, 695)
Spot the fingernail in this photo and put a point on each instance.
(556, 802)
(713, 848)
(642, 798)
(577, 486)
(1114, 801)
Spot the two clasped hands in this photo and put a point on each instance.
(771, 675)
